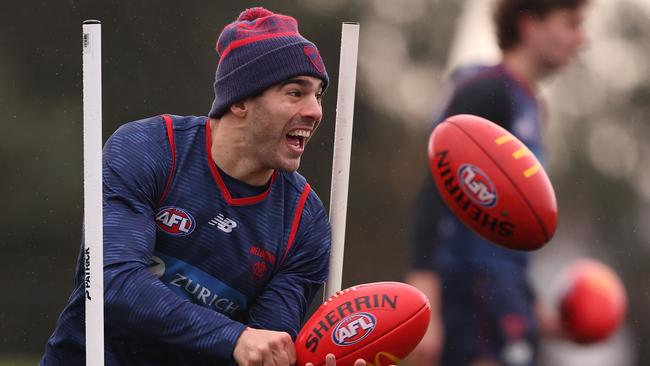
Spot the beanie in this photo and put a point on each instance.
(257, 51)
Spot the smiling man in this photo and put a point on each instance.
(214, 245)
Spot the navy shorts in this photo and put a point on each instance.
(488, 316)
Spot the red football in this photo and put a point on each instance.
(379, 322)
(594, 305)
(492, 182)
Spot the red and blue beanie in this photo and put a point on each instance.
(257, 51)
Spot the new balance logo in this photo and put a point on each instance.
(223, 223)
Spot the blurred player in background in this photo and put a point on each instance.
(484, 309)
(214, 245)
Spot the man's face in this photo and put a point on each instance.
(557, 37)
(282, 121)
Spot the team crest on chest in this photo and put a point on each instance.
(258, 270)
(175, 221)
(261, 260)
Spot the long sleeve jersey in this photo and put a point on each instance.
(191, 255)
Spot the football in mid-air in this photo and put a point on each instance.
(492, 182)
(595, 302)
(379, 322)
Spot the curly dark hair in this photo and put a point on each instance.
(507, 13)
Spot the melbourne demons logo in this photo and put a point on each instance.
(175, 221)
(259, 269)
(477, 185)
(353, 329)
(314, 57)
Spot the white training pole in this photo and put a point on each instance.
(93, 218)
(342, 149)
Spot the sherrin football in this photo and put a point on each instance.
(492, 182)
(379, 322)
(594, 304)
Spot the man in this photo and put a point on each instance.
(214, 245)
(483, 306)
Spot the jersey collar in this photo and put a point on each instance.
(225, 192)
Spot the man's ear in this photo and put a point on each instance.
(526, 24)
(239, 109)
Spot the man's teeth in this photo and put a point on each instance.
(300, 133)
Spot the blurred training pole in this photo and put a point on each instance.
(342, 149)
(93, 219)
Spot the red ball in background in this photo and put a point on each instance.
(379, 322)
(492, 182)
(595, 303)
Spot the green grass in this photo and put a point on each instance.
(18, 360)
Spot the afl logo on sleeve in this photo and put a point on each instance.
(353, 328)
(175, 221)
(477, 185)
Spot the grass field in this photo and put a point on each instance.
(18, 360)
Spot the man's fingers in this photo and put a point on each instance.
(279, 359)
(290, 348)
(259, 347)
(360, 362)
(255, 359)
(283, 352)
(269, 357)
(330, 360)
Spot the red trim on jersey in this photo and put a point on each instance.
(242, 42)
(220, 183)
(523, 84)
(296, 221)
(170, 136)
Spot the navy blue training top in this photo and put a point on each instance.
(192, 256)
(440, 242)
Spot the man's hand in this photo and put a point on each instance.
(258, 347)
(550, 324)
(330, 360)
(429, 350)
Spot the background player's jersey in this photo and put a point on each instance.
(441, 241)
(191, 254)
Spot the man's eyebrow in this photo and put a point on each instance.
(301, 82)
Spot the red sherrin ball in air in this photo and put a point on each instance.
(492, 182)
